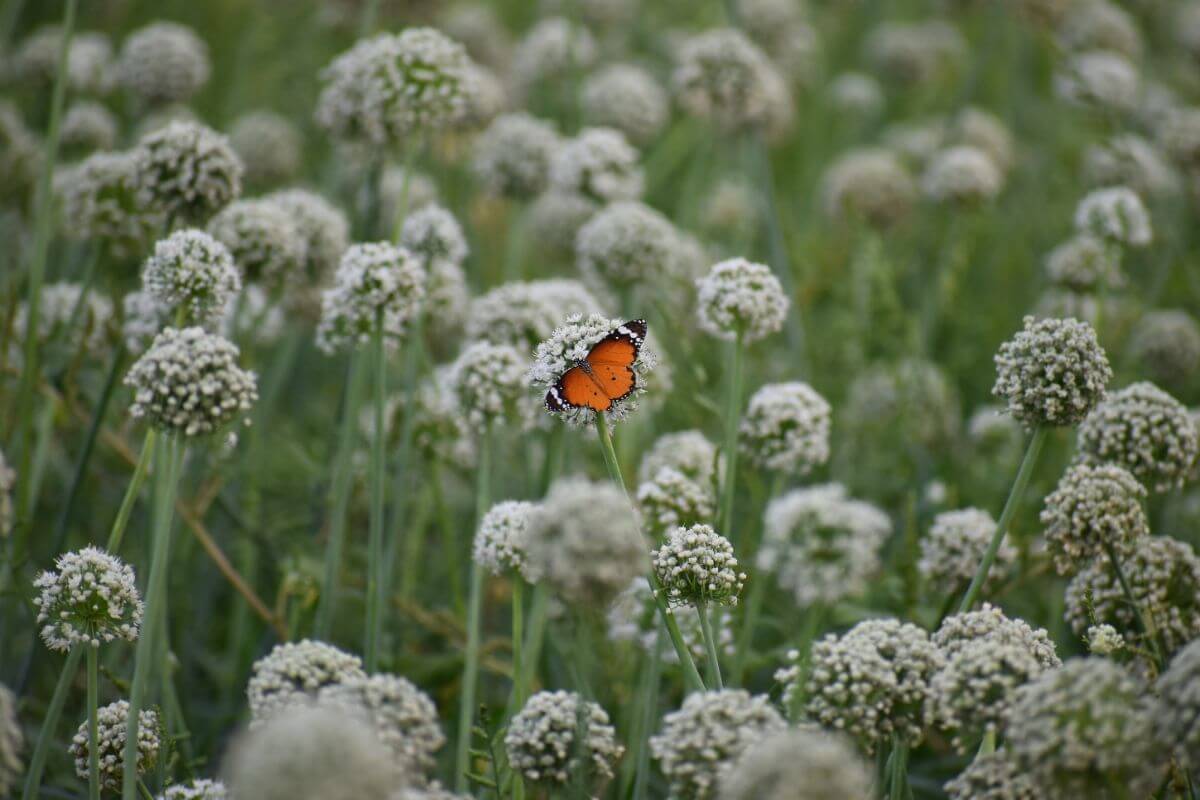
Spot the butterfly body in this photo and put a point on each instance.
(605, 376)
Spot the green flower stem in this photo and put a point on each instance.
(758, 591)
(117, 534)
(813, 618)
(89, 446)
(410, 155)
(648, 705)
(732, 411)
(375, 559)
(342, 484)
(43, 229)
(691, 675)
(1142, 620)
(170, 451)
(93, 692)
(1032, 451)
(534, 636)
(448, 532)
(519, 690)
(37, 761)
(898, 771)
(466, 710)
(401, 531)
(988, 745)
(710, 648)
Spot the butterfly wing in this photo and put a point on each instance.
(613, 357)
(576, 389)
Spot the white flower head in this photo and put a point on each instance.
(163, 62)
(264, 240)
(1115, 214)
(541, 740)
(628, 98)
(187, 172)
(512, 155)
(432, 233)
(488, 381)
(404, 717)
(785, 428)
(270, 146)
(696, 567)
(111, 735)
(377, 284)
(741, 298)
(294, 673)
(90, 598)
(502, 541)
(598, 163)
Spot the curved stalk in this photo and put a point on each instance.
(375, 560)
(93, 691)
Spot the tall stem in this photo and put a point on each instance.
(519, 691)
(732, 411)
(648, 703)
(1032, 451)
(710, 648)
(43, 226)
(342, 483)
(37, 761)
(691, 675)
(375, 560)
(93, 692)
(466, 710)
(898, 779)
(1142, 621)
(169, 450)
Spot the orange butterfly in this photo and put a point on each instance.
(603, 378)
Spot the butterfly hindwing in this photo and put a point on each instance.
(606, 377)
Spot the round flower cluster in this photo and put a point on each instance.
(501, 543)
(269, 146)
(993, 776)
(1104, 640)
(739, 299)
(555, 217)
(552, 48)
(439, 431)
(186, 171)
(689, 452)
(915, 53)
(389, 87)
(584, 541)
(1144, 430)
(1166, 344)
(264, 240)
(1083, 263)
(485, 97)
(911, 400)
(1053, 372)
(1130, 160)
(1115, 214)
(1179, 706)
(856, 94)
(671, 499)
(627, 98)
(599, 164)
(972, 691)
(703, 739)
(868, 185)
(58, 307)
(404, 718)
(1085, 727)
(294, 673)
(100, 200)
(731, 209)
(488, 381)
(633, 617)
(785, 428)
(1101, 25)
(821, 545)
(541, 740)
(164, 62)
(963, 174)
(311, 751)
(90, 599)
(1093, 509)
(722, 75)
(512, 155)
(1164, 579)
(192, 272)
(111, 736)
(954, 546)
(324, 230)
(86, 127)
(627, 243)
(432, 233)
(873, 682)
(377, 284)
(89, 60)
(524, 313)
(804, 763)
(568, 345)
(189, 383)
(1099, 79)
(198, 789)
(696, 566)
